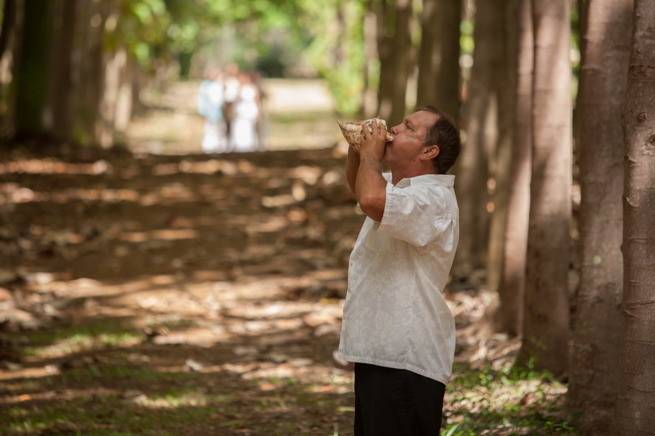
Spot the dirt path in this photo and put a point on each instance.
(212, 285)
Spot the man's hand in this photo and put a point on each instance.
(370, 185)
(372, 145)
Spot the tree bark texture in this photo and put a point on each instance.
(481, 118)
(33, 70)
(598, 320)
(447, 80)
(500, 159)
(385, 35)
(401, 59)
(438, 75)
(63, 77)
(429, 57)
(546, 315)
(369, 27)
(8, 21)
(511, 287)
(636, 404)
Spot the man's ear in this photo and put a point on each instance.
(430, 152)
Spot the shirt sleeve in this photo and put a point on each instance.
(418, 215)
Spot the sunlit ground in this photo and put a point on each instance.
(194, 294)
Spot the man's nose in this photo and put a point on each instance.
(394, 130)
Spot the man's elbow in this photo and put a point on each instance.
(373, 207)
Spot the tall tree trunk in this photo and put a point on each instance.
(340, 30)
(636, 405)
(429, 57)
(438, 61)
(402, 47)
(385, 35)
(598, 326)
(62, 87)
(546, 326)
(509, 316)
(446, 80)
(9, 43)
(8, 21)
(33, 70)
(369, 97)
(506, 78)
(89, 77)
(481, 115)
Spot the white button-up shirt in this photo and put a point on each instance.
(395, 314)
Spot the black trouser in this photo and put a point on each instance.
(396, 402)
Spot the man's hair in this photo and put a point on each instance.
(445, 135)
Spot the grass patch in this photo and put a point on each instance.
(129, 375)
(108, 415)
(59, 341)
(512, 400)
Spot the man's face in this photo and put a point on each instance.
(409, 138)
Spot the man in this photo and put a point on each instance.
(397, 328)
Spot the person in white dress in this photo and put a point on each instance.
(210, 102)
(244, 126)
(231, 91)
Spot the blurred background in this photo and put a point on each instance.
(127, 72)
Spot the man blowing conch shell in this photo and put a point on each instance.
(397, 328)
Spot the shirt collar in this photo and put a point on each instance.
(428, 179)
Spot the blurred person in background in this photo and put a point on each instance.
(231, 91)
(210, 101)
(261, 125)
(246, 112)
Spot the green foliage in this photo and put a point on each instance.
(271, 36)
(345, 75)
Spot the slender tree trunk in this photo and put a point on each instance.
(598, 326)
(33, 71)
(369, 97)
(506, 78)
(8, 21)
(402, 47)
(438, 62)
(446, 85)
(9, 43)
(509, 317)
(341, 28)
(90, 75)
(63, 83)
(429, 57)
(546, 326)
(636, 405)
(481, 115)
(385, 26)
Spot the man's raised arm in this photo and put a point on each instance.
(370, 184)
(352, 165)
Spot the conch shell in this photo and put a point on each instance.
(353, 130)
